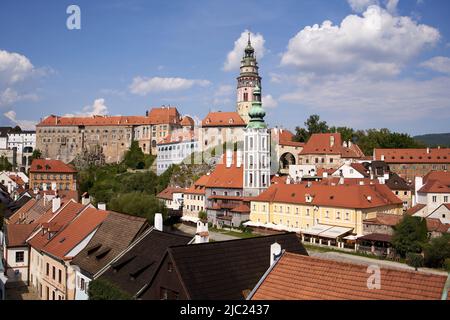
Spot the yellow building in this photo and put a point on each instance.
(300, 207)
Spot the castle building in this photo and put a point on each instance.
(256, 150)
(63, 138)
(248, 80)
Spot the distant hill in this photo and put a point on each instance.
(433, 140)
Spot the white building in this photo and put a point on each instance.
(298, 172)
(256, 150)
(174, 149)
(25, 143)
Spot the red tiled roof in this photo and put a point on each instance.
(285, 138)
(413, 155)
(168, 193)
(223, 177)
(243, 208)
(199, 186)
(187, 121)
(322, 143)
(434, 186)
(53, 166)
(437, 225)
(385, 220)
(55, 222)
(15, 218)
(223, 119)
(178, 137)
(18, 180)
(298, 277)
(441, 176)
(162, 115)
(278, 179)
(16, 234)
(83, 225)
(415, 209)
(341, 196)
(360, 168)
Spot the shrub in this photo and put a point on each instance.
(100, 289)
(414, 260)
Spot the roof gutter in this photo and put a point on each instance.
(252, 293)
(446, 288)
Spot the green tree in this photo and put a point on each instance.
(301, 135)
(138, 204)
(100, 289)
(437, 251)
(314, 125)
(202, 215)
(347, 134)
(37, 154)
(134, 158)
(410, 235)
(4, 164)
(414, 260)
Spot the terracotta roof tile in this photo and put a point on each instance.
(167, 193)
(50, 166)
(224, 177)
(342, 196)
(415, 209)
(16, 234)
(75, 232)
(413, 155)
(223, 119)
(187, 121)
(297, 277)
(384, 219)
(330, 143)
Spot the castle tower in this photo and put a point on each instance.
(256, 149)
(247, 81)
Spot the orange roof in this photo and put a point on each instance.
(278, 179)
(16, 234)
(330, 143)
(298, 277)
(228, 178)
(187, 121)
(437, 225)
(52, 166)
(415, 209)
(162, 115)
(385, 220)
(340, 196)
(18, 180)
(285, 138)
(433, 186)
(83, 225)
(56, 222)
(223, 119)
(199, 186)
(413, 155)
(243, 208)
(168, 193)
(15, 218)
(178, 137)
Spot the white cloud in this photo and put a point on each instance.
(24, 124)
(361, 5)
(224, 90)
(376, 42)
(98, 108)
(269, 102)
(10, 96)
(234, 57)
(439, 64)
(143, 86)
(14, 67)
(352, 98)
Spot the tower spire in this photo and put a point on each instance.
(249, 42)
(257, 112)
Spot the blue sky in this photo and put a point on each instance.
(381, 63)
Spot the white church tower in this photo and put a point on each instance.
(256, 149)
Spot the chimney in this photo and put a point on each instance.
(341, 180)
(229, 158)
(158, 222)
(275, 253)
(56, 204)
(202, 235)
(349, 143)
(101, 206)
(85, 200)
(361, 183)
(369, 198)
(418, 184)
(325, 174)
(382, 157)
(428, 150)
(331, 141)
